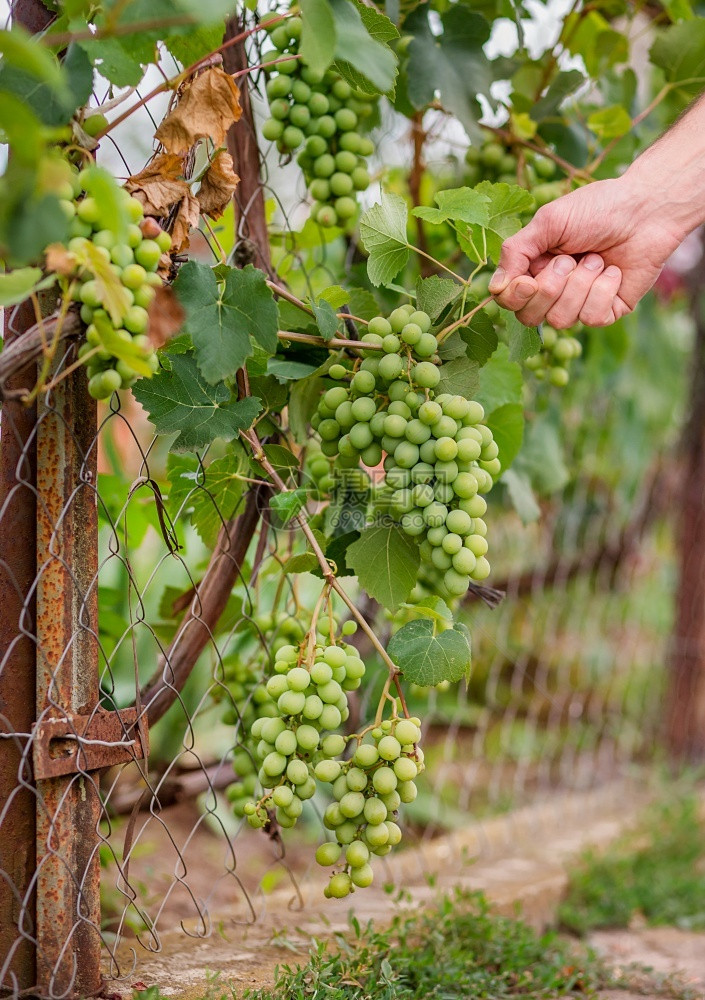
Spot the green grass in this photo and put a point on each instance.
(656, 873)
(459, 950)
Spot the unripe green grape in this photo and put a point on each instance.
(468, 450)
(456, 584)
(426, 346)
(344, 415)
(435, 514)
(274, 764)
(398, 320)
(446, 472)
(417, 432)
(452, 543)
(422, 495)
(422, 472)
(371, 456)
(360, 436)
(133, 275)
(406, 732)
(412, 333)
(440, 559)
(377, 835)
(477, 544)
(360, 179)
(405, 769)
(324, 166)
(291, 702)
(406, 454)
(285, 744)
(412, 523)
(465, 486)
(493, 467)
(271, 728)
(366, 755)
(426, 375)
(389, 748)
(464, 562)
(390, 367)
(327, 128)
(307, 738)
(379, 326)
(352, 804)
(346, 208)
(331, 717)
(363, 409)
(482, 569)
(313, 707)
(459, 522)
(327, 770)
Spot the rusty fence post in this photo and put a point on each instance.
(68, 805)
(18, 521)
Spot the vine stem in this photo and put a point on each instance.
(422, 253)
(326, 568)
(284, 293)
(336, 342)
(441, 336)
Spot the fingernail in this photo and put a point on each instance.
(525, 289)
(497, 280)
(612, 272)
(593, 262)
(564, 265)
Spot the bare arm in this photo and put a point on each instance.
(592, 254)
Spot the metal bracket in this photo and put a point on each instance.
(72, 744)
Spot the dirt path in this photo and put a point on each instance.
(666, 950)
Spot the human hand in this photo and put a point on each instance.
(588, 256)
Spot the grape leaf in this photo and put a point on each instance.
(463, 204)
(288, 370)
(303, 399)
(326, 320)
(521, 495)
(212, 494)
(287, 505)
(179, 400)
(303, 562)
(459, 378)
(680, 52)
(500, 381)
(452, 63)
(524, 341)
(480, 338)
(362, 303)
(16, 285)
(434, 608)
(542, 459)
(609, 123)
(506, 203)
(507, 426)
(335, 295)
(433, 294)
(386, 562)
(221, 317)
(383, 235)
(427, 659)
(318, 34)
(361, 57)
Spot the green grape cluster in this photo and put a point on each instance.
(493, 161)
(368, 790)
(115, 274)
(293, 744)
(320, 115)
(248, 699)
(440, 457)
(558, 349)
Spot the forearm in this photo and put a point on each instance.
(668, 179)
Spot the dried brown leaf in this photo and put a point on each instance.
(166, 316)
(207, 109)
(188, 215)
(160, 185)
(217, 186)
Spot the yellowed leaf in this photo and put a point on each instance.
(111, 291)
(217, 186)
(166, 316)
(207, 108)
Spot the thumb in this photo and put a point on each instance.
(519, 251)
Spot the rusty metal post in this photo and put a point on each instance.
(18, 520)
(68, 898)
